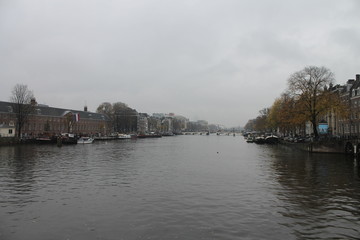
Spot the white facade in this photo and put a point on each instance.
(7, 130)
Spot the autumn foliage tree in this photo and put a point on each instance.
(310, 88)
(310, 97)
(283, 115)
(260, 123)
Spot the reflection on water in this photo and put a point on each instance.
(319, 193)
(184, 187)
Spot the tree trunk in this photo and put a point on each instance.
(19, 131)
(316, 134)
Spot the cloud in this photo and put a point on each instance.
(205, 59)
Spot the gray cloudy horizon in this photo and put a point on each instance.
(216, 60)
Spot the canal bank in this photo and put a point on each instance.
(339, 146)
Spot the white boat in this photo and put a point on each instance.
(124, 136)
(84, 140)
(272, 139)
(250, 139)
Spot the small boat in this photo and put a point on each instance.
(272, 139)
(259, 140)
(124, 136)
(85, 140)
(151, 135)
(250, 139)
(68, 138)
(45, 140)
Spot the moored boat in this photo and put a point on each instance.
(45, 140)
(259, 140)
(85, 140)
(272, 139)
(151, 135)
(124, 136)
(250, 139)
(68, 138)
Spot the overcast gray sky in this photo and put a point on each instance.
(217, 60)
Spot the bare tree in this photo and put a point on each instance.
(105, 108)
(21, 98)
(309, 87)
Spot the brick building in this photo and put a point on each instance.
(53, 121)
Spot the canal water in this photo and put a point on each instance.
(182, 187)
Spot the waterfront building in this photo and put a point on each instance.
(154, 124)
(161, 122)
(142, 123)
(181, 123)
(167, 123)
(354, 121)
(345, 94)
(348, 126)
(47, 120)
(336, 123)
(7, 130)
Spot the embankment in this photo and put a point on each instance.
(327, 146)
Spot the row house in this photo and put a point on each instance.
(181, 122)
(162, 123)
(347, 126)
(53, 121)
(352, 124)
(142, 123)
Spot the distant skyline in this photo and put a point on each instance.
(215, 60)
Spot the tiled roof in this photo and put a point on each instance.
(6, 126)
(56, 112)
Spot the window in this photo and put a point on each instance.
(10, 131)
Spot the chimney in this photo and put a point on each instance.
(85, 108)
(357, 77)
(33, 102)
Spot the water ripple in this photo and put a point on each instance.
(187, 187)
